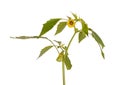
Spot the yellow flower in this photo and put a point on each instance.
(71, 23)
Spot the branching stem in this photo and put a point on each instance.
(51, 43)
(63, 63)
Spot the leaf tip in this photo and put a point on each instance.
(12, 37)
(56, 33)
(103, 55)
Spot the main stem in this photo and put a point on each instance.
(63, 72)
(63, 64)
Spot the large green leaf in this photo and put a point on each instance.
(84, 26)
(67, 62)
(97, 38)
(44, 50)
(48, 25)
(81, 36)
(60, 27)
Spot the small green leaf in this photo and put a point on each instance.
(84, 26)
(67, 62)
(58, 42)
(44, 50)
(60, 27)
(24, 37)
(75, 16)
(60, 56)
(81, 36)
(97, 38)
(48, 25)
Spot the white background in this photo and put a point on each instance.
(18, 64)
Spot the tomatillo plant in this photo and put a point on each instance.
(62, 49)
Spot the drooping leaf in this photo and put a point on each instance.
(97, 38)
(75, 16)
(60, 27)
(81, 36)
(24, 37)
(84, 26)
(49, 25)
(99, 41)
(44, 50)
(60, 56)
(67, 62)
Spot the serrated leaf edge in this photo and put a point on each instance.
(44, 50)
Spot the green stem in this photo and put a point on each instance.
(63, 64)
(51, 43)
(70, 41)
(63, 72)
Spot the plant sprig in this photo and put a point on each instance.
(62, 50)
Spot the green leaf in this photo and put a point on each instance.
(48, 25)
(84, 26)
(99, 41)
(58, 42)
(97, 38)
(24, 37)
(60, 27)
(81, 36)
(67, 62)
(75, 16)
(44, 50)
(60, 56)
